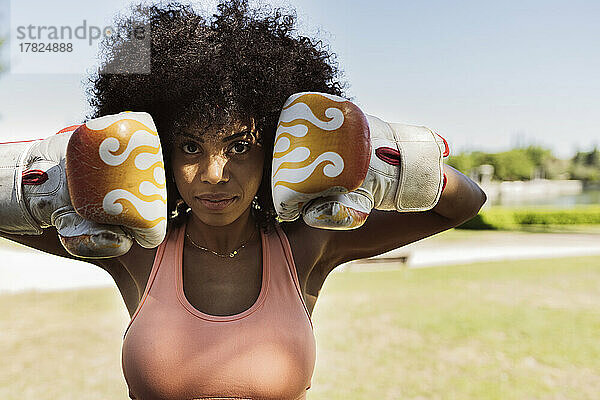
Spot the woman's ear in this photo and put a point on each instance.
(258, 136)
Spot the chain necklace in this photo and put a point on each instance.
(230, 255)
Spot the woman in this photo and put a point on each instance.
(221, 309)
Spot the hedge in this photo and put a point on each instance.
(514, 218)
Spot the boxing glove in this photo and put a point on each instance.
(321, 137)
(100, 184)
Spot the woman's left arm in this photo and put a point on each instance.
(383, 231)
(461, 199)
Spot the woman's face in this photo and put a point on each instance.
(218, 171)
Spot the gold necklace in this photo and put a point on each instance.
(230, 255)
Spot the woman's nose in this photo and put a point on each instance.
(215, 171)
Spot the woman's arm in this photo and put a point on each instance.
(383, 231)
(47, 242)
(461, 199)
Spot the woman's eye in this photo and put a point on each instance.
(240, 147)
(190, 148)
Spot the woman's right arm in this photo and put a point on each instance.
(100, 184)
(47, 242)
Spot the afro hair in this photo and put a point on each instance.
(240, 63)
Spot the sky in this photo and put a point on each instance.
(485, 75)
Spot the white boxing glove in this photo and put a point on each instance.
(404, 171)
(116, 175)
(56, 182)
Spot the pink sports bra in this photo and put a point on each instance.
(173, 351)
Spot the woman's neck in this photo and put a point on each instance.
(221, 239)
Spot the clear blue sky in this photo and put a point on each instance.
(486, 75)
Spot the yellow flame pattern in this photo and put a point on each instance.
(345, 218)
(116, 174)
(322, 141)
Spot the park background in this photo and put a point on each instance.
(506, 307)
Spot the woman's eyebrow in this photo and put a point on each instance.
(238, 134)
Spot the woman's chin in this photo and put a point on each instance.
(218, 219)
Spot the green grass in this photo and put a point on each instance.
(518, 330)
(62, 345)
(503, 330)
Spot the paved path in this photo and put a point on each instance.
(23, 269)
(485, 246)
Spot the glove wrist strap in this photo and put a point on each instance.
(14, 215)
(421, 168)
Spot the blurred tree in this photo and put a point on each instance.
(466, 162)
(557, 169)
(538, 154)
(522, 163)
(585, 166)
(512, 165)
(593, 158)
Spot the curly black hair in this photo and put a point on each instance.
(241, 63)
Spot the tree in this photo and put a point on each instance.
(586, 166)
(593, 158)
(512, 165)
(517, 164)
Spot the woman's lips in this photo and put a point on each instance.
(216, 205)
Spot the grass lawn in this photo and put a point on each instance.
(519, 330)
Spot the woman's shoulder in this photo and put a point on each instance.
(308, 244)
(139, 257)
